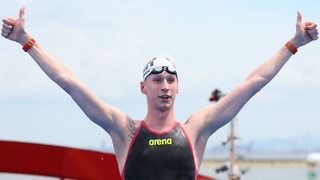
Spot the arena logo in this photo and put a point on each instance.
(160, 142)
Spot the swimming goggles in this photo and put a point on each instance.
(158, 65)
(159, 70)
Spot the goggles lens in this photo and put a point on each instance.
(159, 70)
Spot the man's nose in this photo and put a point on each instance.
(165, 86)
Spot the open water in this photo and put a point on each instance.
(264, 173)
(254, 173)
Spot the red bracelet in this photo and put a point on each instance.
(291, 47)
(29, 44)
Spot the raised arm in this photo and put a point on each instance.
(108, 117)
(210, 118)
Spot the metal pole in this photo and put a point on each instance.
(232, 161)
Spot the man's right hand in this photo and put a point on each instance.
(13, 29)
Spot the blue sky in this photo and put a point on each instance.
(214, 44)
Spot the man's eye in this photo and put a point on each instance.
(157, 79)
(171, 80)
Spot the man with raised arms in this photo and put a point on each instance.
(159, 147)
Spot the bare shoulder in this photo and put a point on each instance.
(198, 137)
(133, 126)
(197, 124)
(192, 127)
(122, 139)
(124, 131)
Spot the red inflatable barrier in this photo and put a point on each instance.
(59, 161)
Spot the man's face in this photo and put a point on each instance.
(161, 90)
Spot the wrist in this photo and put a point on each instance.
(291, 47)
(293, 44)
(296, 41)
(24, 39)
(28, 44)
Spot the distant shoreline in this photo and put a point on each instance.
(218, 163)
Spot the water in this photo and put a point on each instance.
(264, 173)
(254, 173)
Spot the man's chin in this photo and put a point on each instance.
(165, 108)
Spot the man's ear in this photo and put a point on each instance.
(142, 87)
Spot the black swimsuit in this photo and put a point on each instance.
(160, 156)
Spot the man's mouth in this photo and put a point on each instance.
(164, 96)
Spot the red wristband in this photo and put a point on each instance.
(29, 44)
(291, 47)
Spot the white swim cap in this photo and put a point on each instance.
(157, 65)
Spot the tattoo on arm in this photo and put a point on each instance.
(186, 123)
(132, 128)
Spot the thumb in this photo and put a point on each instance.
(299, 17)
(21, 12)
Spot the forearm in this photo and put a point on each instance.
(264, 73)
(54, 69)
(305, 33)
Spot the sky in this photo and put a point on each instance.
(213, 43)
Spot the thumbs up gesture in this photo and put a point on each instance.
(305, 32)
(13, 29)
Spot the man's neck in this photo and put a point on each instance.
(160, 121)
